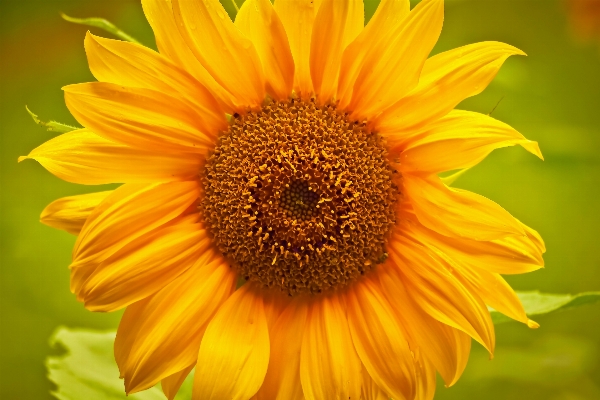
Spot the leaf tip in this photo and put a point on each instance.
(67, 18)
(35, 118)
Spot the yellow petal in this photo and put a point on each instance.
(459, 140)
(458, 213)
(170, 44)
(260, 23)
(380, 341)
(445, 347)
(336, 24)
(144, 266)
(439, 293)
(236, 346)
(167, 327)
(70, 213)
(141, 118)
(370, 390)
(425, 378)
(491, 287)
(393, 64)
(535, 239)
(389, 13)
(222, 49)
(496, 293)
(509, 255)
(447, 79)
(329, 365)
(274, 302)
(132, 65)
(282, 381)
(298, 17)
(171, 384)
(450, 179)
(83, 157)
(129, 212)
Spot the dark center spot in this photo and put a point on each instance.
(299, 200)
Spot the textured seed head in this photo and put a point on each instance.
(298, 197)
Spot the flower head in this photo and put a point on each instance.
(298, 152)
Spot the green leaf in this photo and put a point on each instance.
(102, 24)
(88, 370)
(51, 126)
(537, 303)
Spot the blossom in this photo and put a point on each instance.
(297, 152)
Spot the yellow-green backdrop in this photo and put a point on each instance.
(552, 96)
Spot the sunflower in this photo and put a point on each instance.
(281, 225)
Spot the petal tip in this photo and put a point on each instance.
(534, 148)
(531, 324)
(89, 38)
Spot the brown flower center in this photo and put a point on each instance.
(298, 197)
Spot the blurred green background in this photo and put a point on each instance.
(552, 96)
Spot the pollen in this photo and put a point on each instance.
(298, 197)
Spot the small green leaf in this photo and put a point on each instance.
(537, 303)
(102, 24)
(51, 126)
(88, 370)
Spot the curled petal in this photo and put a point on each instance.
(70, 213)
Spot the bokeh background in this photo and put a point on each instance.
(552, 96)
